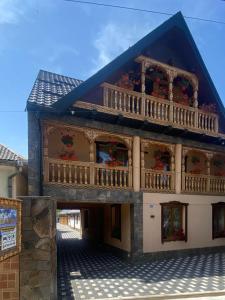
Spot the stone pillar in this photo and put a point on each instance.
(34, 155)
(38, 260)
(136, 221)
(178, 163)
(136, 163)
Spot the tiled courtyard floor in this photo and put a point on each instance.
(86, 273)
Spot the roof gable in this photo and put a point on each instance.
(174, 24)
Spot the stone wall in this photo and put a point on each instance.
(9, 278)
(38, 257)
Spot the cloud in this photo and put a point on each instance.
(113, 39)
(10, 11)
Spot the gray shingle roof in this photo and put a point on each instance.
(50, 87)
(7, 154)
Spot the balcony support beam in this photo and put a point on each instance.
(136, 163)
(178, 163)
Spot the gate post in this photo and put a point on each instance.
(38, 258)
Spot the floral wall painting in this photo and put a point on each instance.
(111, 153)
(68, 152)
(183, 91)
(195, 163)
(218, 165)
(156, 83)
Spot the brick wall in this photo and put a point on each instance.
(9, 278)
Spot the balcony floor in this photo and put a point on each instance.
(86, 273)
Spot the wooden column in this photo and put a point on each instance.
(183, 155)
(136, 163)
(143, 165)
(143, 68)
(171, 77)
(178, 168)
(196, 105)
(208, 170)
(92, 161)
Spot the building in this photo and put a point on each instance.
(13, 173)
(70, 218)
(138, 147)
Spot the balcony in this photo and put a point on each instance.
(80, 173)
(81, 157)
(145, 107)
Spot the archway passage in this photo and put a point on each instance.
(90, 237)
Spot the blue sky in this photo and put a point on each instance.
(76, 40)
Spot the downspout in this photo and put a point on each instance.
(10, 178)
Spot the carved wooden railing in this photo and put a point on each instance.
(217, 185)
(158, 181)
(156, 109)
(86, 173)
(203, 184)
(121, 99)
(112, 176)
(195, 183)
(67, 172)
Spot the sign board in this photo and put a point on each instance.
(10, 227)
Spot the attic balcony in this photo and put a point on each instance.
(160, 94)
(141, 106)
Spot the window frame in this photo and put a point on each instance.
(217, 205)
(184, 219)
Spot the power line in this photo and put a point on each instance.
(144, 10)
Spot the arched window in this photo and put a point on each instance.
(156, 82)
(182, 91)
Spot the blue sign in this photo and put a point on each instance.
(8, 223)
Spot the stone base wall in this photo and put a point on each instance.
(9, 278)
(38, 256)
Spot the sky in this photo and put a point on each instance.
(76, 40)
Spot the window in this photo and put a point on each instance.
(218, 215)
(174, 221)
(116, 221)
(111, 153)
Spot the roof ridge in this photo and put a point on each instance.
(45, 71)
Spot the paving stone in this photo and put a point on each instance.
(87, 272)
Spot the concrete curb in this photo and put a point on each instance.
(171, 296)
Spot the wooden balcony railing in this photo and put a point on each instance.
(86, 173)
(158, 181)
(203, 184)
(112, 177)
(158, 110)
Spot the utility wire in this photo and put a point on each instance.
(144, 10)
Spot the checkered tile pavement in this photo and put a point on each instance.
(87, 273)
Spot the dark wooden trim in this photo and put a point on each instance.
(214, 205)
